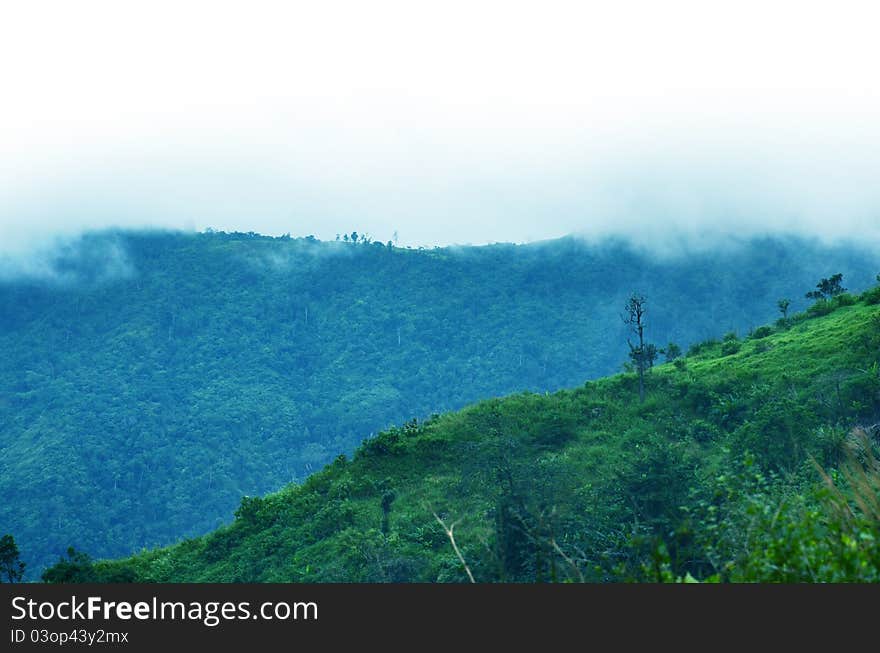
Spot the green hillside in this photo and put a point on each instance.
(150, 380)
(716, 475)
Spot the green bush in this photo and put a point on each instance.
(820, 308)
(779, 433)
(77, 567)
(761, 332)
(871, 296)
(845, 299)
(730, 347)
(703, 431)
(584, 470)
(762, 346)
(784, 531)
(700, 347)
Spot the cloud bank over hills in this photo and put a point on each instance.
(481, 122)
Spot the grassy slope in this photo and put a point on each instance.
(591, 461)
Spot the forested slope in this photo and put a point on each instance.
(150, 380)
(717, 475)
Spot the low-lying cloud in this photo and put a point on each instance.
(487, 121)
(69, 260)
(672, 190)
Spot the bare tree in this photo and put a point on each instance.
(642, 354)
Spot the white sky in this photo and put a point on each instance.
(445, 121)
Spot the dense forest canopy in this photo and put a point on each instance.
(150, 380)
(750, 459)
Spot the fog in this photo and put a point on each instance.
(676, 127)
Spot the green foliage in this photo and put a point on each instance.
(77, 567)
(778, 431)
(702, 347)
(11, 567)
(828, 288)
(141, 402)
(771, 528)
(704, 431)
(656, 483)
(730, 347)
(672, 352)
(871, 296)
(820, 308)
(782, 305)
(829, 296)
(761, 347)
(845, 299)
(711, 478)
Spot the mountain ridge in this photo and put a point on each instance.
(155, 378)
(586, 483)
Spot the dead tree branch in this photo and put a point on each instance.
(448, 530)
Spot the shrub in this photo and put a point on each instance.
(730, 347)
(831, 535)
(779, 433)
(700, 347)
(761, 332)
(672, 351)
(703, 431)
(844, 300)
(871, 296)
(78, 567)
(820, 308)
(831, 441)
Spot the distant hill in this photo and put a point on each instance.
(150, 380)
(718, 475)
